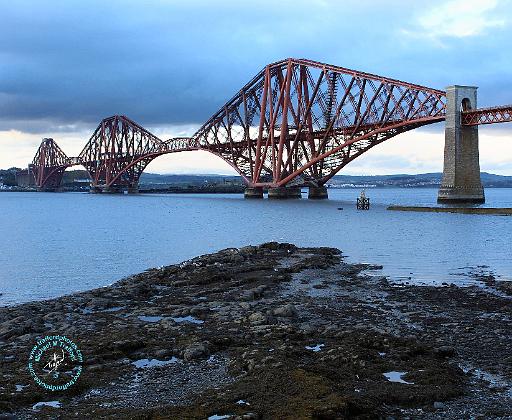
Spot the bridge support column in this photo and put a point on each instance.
(102, 189)
(114, 189)
(253, 192)
(318, 193)
(284, 192)
(133, 190)
(49, 189)
(461, 175)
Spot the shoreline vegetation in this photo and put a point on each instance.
(266, 332)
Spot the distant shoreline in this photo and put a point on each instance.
(240, 190)
(78, 180)
(499, 211)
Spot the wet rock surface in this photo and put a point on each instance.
(265, 332)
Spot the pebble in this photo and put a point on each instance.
(287, 311)
(258, 318)
(195, 351)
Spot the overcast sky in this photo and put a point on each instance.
(169, 65)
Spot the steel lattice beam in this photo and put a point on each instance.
(118, 152)
(499, 114)
(297, 122)
(49, 164)
(302, 120)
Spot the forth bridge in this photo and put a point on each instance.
(295, 124)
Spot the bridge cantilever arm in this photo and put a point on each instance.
(494, 115)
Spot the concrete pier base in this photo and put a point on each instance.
(95, 190)
(461, 174)
(133, 190)
(284, 192)
(318, 193)
(253, 192)
(50, 189)
(460, 195)
(114, 189)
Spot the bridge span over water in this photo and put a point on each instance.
(295, 124)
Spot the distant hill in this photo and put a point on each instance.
(8, 176)
(338, 181)
(411, 181)
(156, 181)
(398, 180)
(152, 179)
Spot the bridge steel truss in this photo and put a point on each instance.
(483, 116)
(296, 123)
(299, 121)
(49, 164)
(118, 152)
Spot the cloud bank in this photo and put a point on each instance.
(65, 65)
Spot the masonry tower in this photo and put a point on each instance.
(461, 175)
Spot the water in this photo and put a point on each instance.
(187, 319)
(316, 348)
(149, 363)
(395, 376)
(54, 244)
(150, 318)
(53, 404)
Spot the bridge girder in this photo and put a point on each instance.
(481, 116)
(48, 165)
(295, 112)
(118, 152)
(297, 122)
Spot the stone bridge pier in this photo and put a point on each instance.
(461, 175)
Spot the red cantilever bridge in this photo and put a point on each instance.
(296, 123)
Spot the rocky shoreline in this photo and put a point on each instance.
(268, 332)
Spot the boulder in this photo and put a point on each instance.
(286, 311)
(195, 351)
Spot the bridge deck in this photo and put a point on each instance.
(493, 115)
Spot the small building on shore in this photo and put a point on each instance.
(25, 178)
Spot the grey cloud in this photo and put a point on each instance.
(67, 63)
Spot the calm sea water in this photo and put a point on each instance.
(54, 244)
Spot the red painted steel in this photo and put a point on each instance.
(297, 122)
(492, 115)
(49, 164)
(118, 152)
